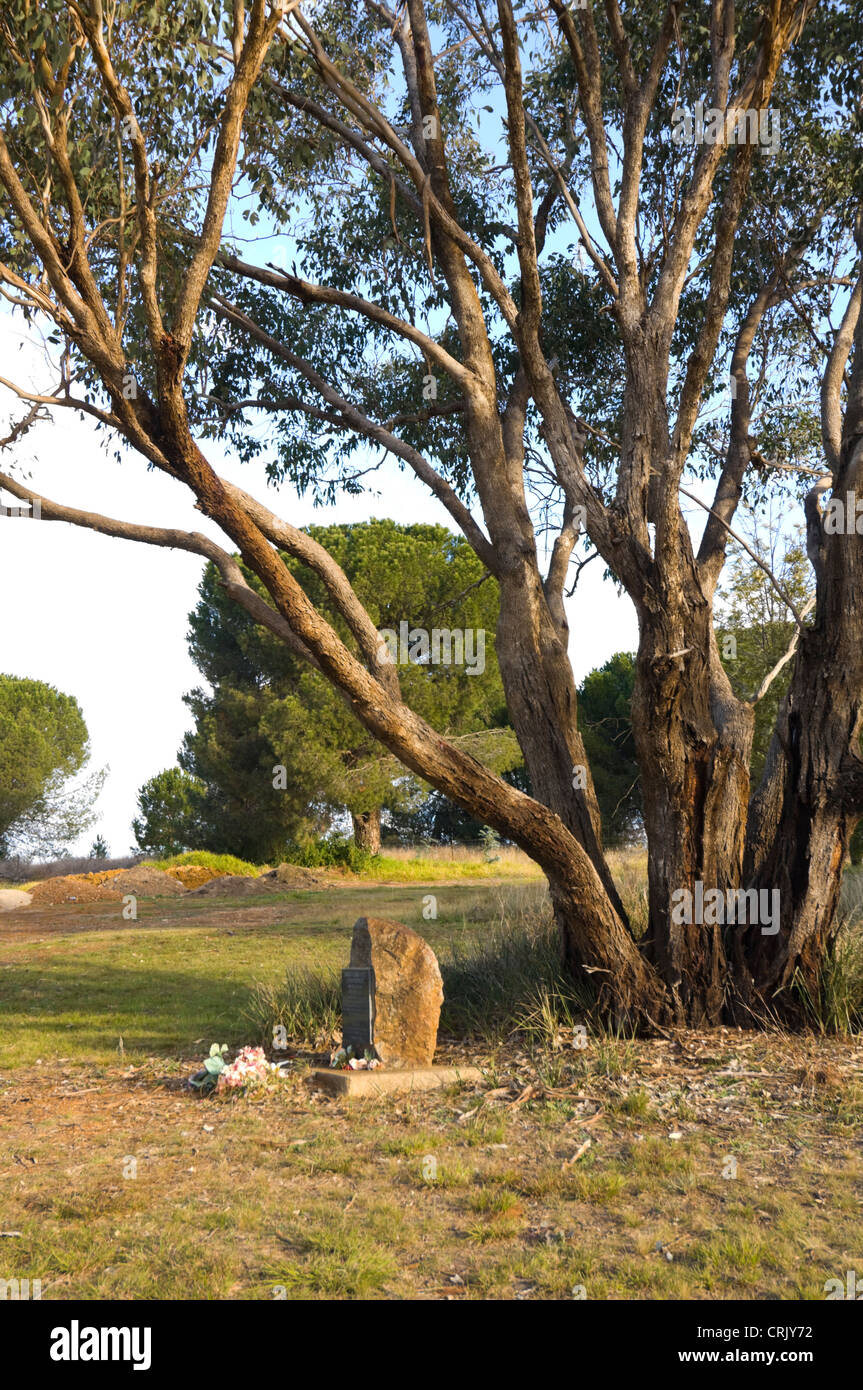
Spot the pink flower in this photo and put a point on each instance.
(250, 1065)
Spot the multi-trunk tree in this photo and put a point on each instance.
(519, 250)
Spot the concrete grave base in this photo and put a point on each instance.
(353, 1085)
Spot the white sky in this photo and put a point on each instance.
(105, 620)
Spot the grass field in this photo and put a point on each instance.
(122, 1183)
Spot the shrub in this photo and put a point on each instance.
(308, 1006)
(840, 1006)
(505, 975)
(335, 852)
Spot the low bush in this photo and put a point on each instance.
(308, 1006)
(840, 1006)
(504, 974)
(335, 852)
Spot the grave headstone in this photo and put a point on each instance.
(406, 991)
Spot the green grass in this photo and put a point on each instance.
(339, 1262)
(395, 867)
(198, 969)
(307, 1006)
(840, 1007)
(219, 863)
(507, 978)
(425, 868)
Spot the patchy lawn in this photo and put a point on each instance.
(718, 1165)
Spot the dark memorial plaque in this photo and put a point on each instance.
(357, 1010)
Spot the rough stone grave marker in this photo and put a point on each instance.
(391, 1000)
(407, 991)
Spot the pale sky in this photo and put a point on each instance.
(105, 620)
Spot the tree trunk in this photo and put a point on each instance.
(801, 824)
(367, 830)
(542, 705)
(674, 737)
(692, 749)
(812, 792)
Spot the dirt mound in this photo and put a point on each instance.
(292, 876)
(228, 886)
(106, 887)
(147, 882)
(75, 888)
(276, 881)
(192, 875)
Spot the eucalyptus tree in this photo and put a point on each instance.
(518, 250)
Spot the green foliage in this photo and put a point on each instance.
(507, 978)
(332, 852)
(490, 844)
(308, 1005)
(99, 848)
(43, 743)
(434, 819)
(239, 807)
(838, 1008)
(167, 823)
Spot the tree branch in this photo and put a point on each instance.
(831, 382)
(308, 293)
(194, 542)
(363, 425)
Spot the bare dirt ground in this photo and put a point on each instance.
(711, 1166)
